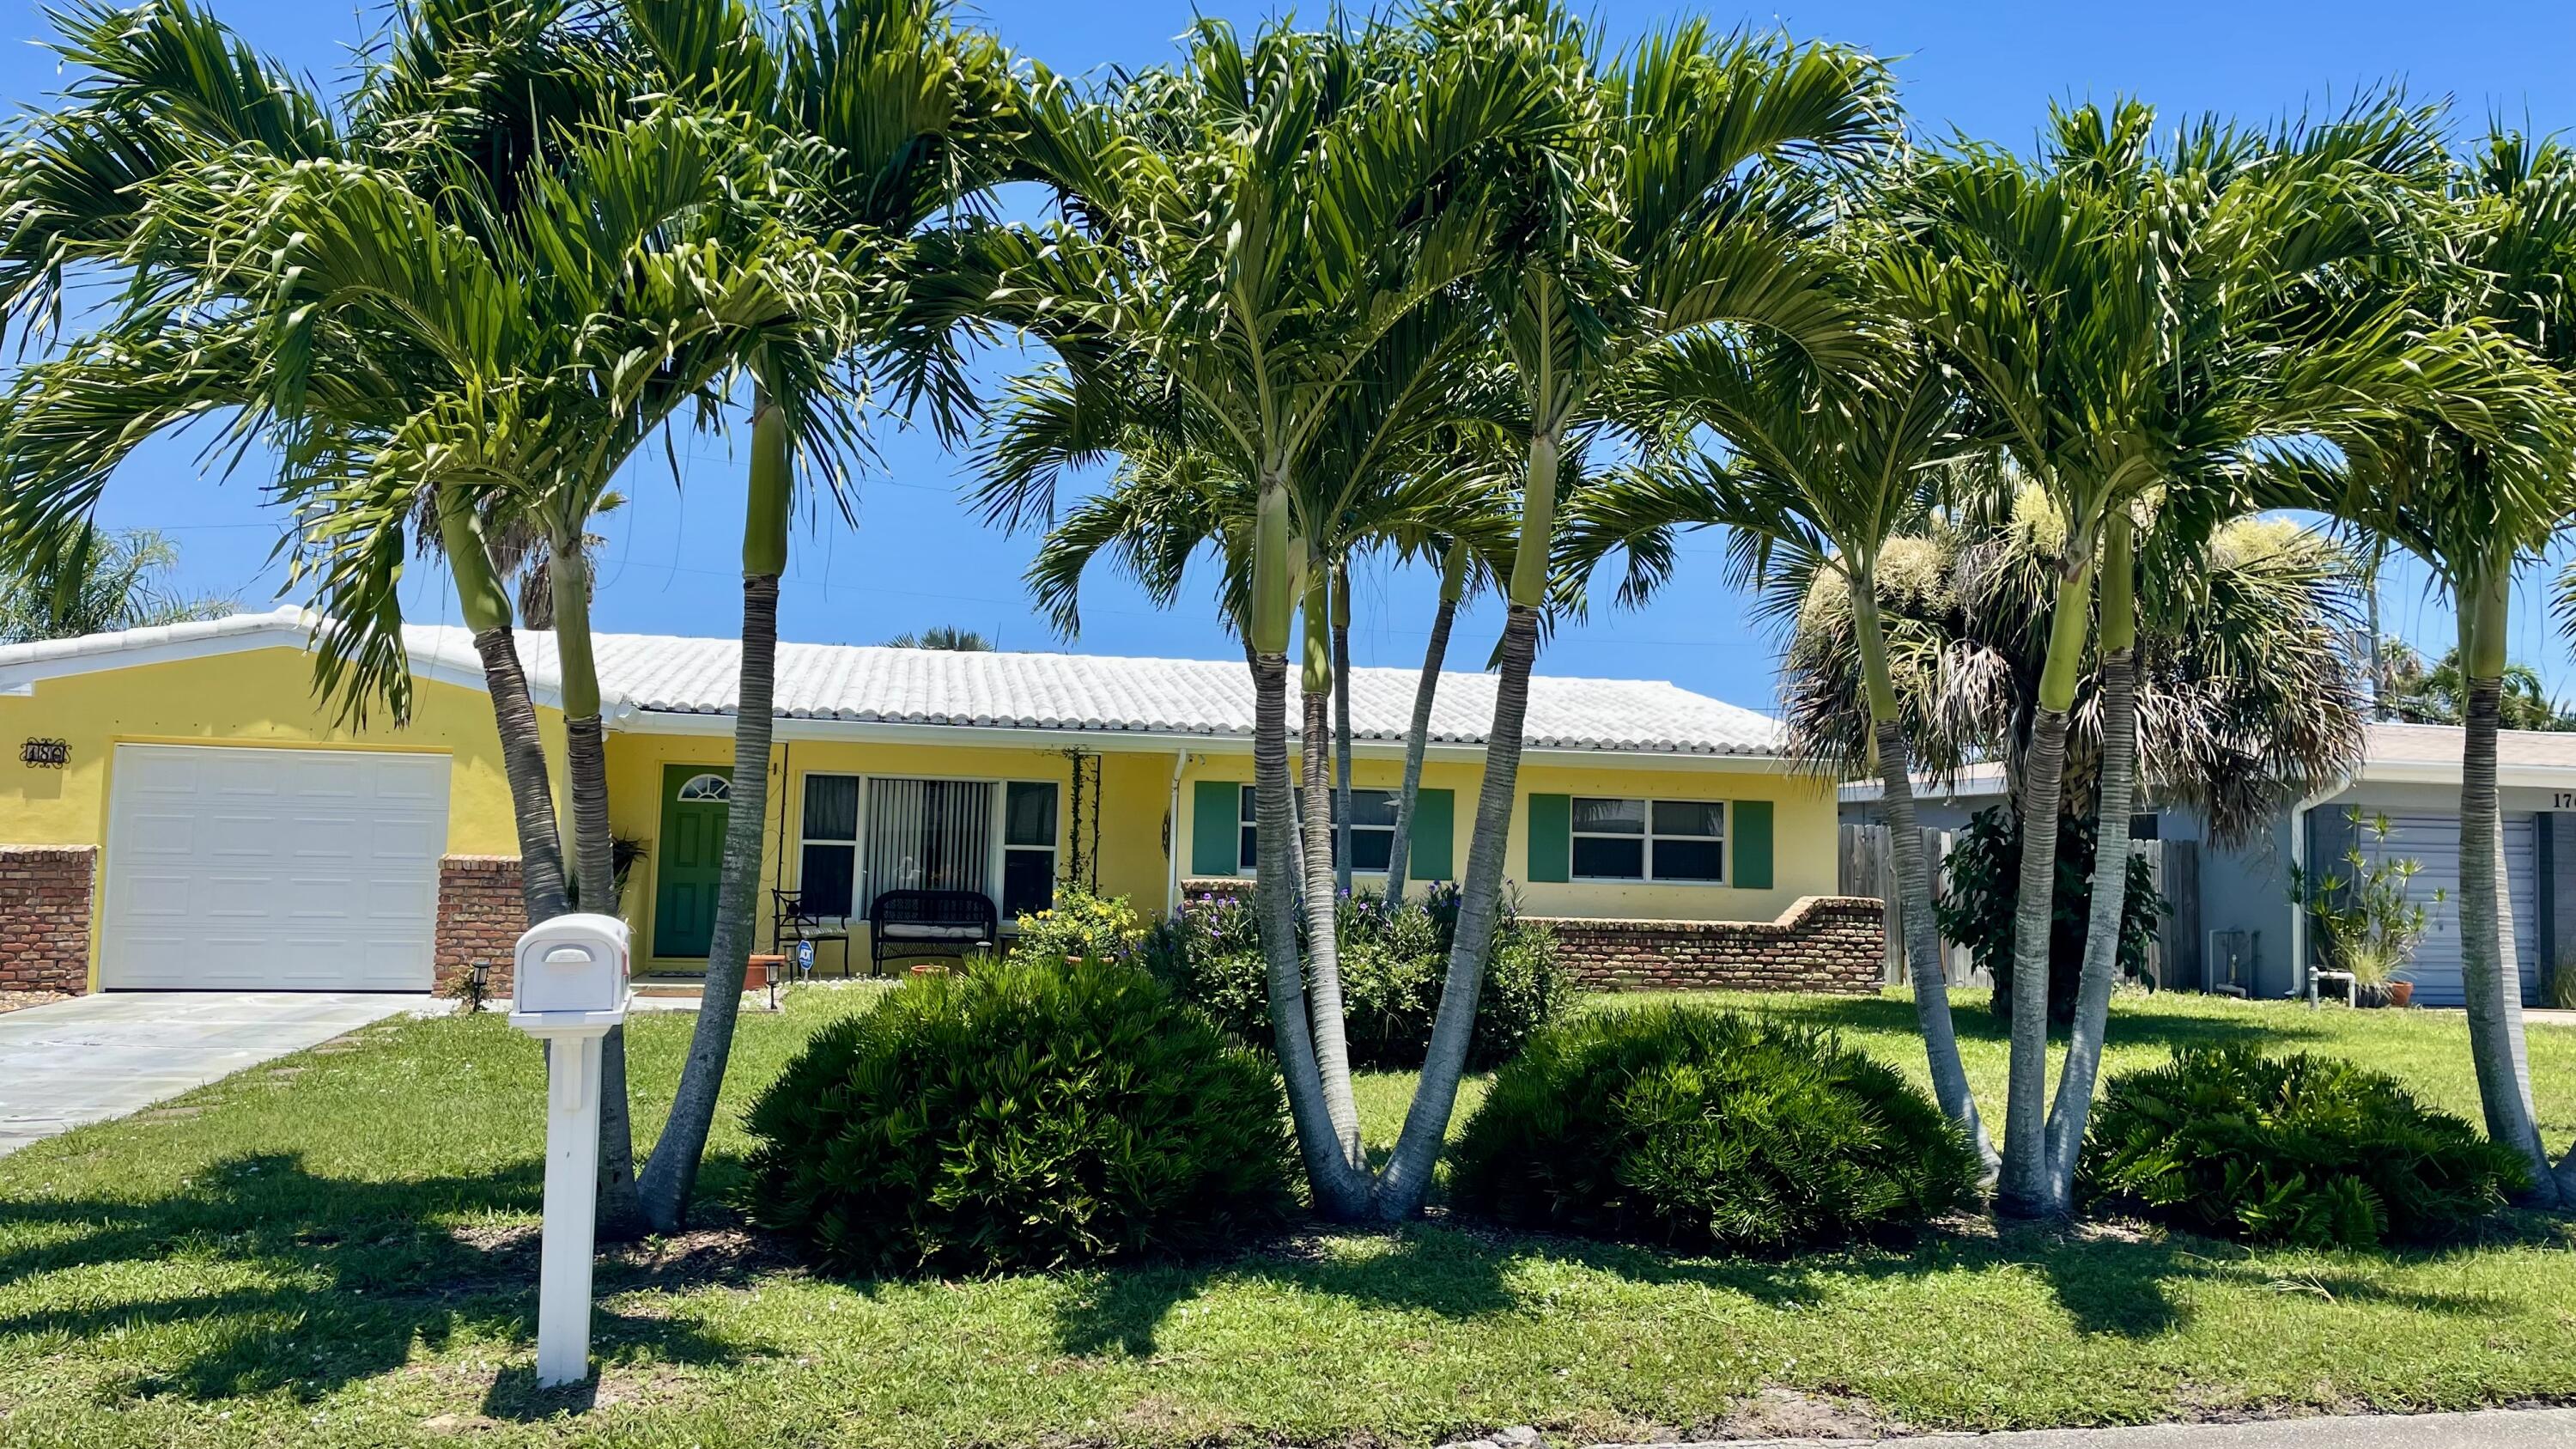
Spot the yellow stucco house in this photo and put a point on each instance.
(181, 814)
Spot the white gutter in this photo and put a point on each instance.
(1172, 886)
(629, 719)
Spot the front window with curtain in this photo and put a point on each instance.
(862, 838)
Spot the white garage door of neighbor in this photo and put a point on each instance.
(2433, 842)
(271, 869)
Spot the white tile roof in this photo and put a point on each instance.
(675, 675)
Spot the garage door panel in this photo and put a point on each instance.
(2432, 840)
(232, 868)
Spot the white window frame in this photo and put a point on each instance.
(1646, 842)
(1243, 821)
(996, 854)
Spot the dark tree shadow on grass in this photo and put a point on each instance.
(350, 1274)
(1895, 1015)
(2117, 1284)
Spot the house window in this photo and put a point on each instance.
(1372, 830)
(1657, 840)
(828, 871)
(1028, 847)
(862, 839)
(706, 787)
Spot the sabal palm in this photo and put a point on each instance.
(1820, 472)
(2135, 317)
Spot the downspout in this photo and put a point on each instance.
(1172, 886)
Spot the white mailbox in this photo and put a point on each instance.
(574, 963)
(569, 991)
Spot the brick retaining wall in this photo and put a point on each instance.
(480, 916)
(1821, 943)
(45, 895)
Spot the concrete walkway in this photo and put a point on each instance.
(2496, 1429)
(96, 1057)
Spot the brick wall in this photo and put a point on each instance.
(45, 899)
(1821, 943)
(480, 917)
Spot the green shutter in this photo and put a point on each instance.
(1751, 828)
(1551, 845)
(1215, 825)
(1435, 825)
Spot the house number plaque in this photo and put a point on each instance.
(45, 754)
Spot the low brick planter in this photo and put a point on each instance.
(1821, 943)
(480, 918)
(46, 895)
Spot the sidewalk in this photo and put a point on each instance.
(2495, 1429)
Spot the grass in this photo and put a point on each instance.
(339, 1249)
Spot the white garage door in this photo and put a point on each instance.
(2433, 842)
(272, 870)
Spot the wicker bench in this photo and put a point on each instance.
(930, 923)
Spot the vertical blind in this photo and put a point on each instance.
(929, 835)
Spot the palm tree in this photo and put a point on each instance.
(904, 121)
(1262, 226)
(943, 636)
(1676, 207)
(170, 107)
(107, 582)
(2137, 318)
(2473, 495)
(1821, 474)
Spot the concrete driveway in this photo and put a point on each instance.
(102, 1056)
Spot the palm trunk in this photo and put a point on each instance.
(486, 607)
(1342, 727)
(1914, 880)
(595, 875)
(2022, 1187)
(1321, 894)
(1406, 1183)
(2116, 795)
(1340, 1191)
(671, 1176)
(1399, 856)
(2488, 977)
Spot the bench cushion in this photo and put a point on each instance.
(931, 931)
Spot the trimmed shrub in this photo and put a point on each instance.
(2307, 1150)
(1080, 925)
(1393, 962)
(1026, 1114)
(1693, 1129)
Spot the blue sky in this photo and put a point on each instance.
(917, 559)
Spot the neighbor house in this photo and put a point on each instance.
(2249, 934)
(184, 814)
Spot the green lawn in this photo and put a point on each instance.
(338, 1249)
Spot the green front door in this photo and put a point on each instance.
(692, 857)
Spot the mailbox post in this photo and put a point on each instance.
(569, 989)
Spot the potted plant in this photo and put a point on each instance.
(2365, 915)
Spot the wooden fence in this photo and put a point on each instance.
(1868, 868)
